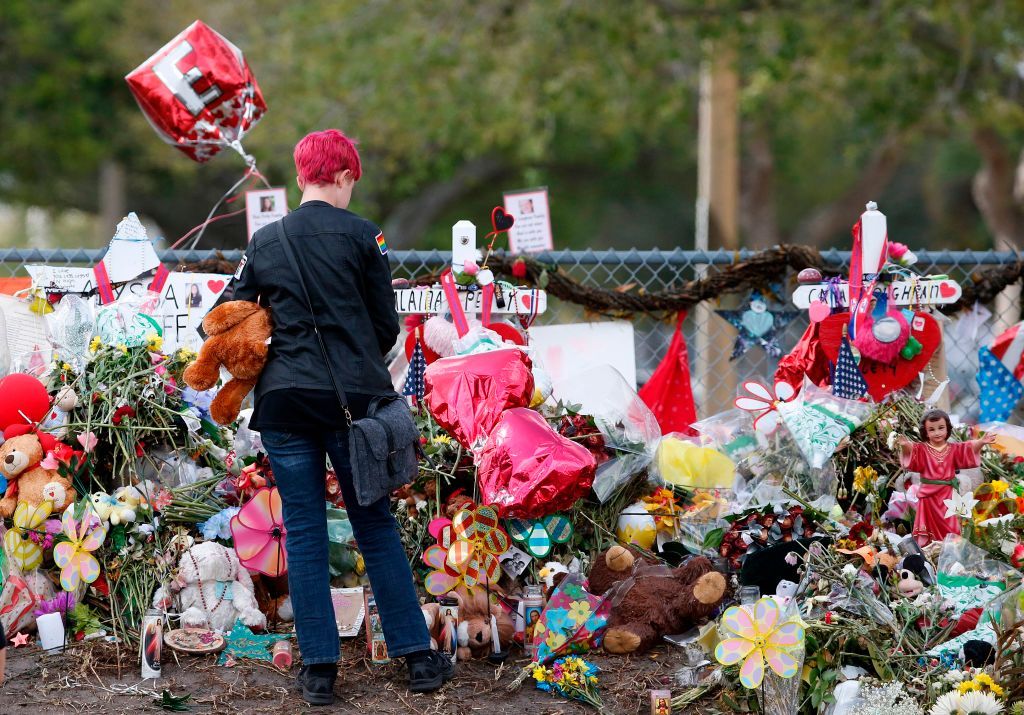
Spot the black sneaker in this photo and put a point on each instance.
(429, 672)
(316, 683)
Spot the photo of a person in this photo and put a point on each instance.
(195, 298)
(266, 204)
(525, 206)
(513, 562)
(380, 650)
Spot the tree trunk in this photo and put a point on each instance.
(112, 200)
(758, 217)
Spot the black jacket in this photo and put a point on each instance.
(345, 266)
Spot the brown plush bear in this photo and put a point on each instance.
(27, 481)
(660, 600)
(239, 335)
(474, 623)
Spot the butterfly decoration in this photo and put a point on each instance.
(756, 636)
(25, 553)
(74, 556)
(538, 536)
(764, 403)
(960, 505)
(466, 551)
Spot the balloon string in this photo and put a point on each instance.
(251, 172)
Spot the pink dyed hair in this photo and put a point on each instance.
(319, 156)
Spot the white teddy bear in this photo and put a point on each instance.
(214, 590)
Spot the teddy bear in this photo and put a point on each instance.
(214, 590)
(239, 336)
(655, 600)
(56, 420)
(474, 629)
(109, 508)
(273, 598)
(27, 479)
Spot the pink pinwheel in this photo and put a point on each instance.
(764, 403)
(74, 556)
(756, 636)
(467, 549)
(259, 534)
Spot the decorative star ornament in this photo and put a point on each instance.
(757, 325)
(20, 640)
(960, 505)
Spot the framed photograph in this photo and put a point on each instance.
(264, 206)
(531, 232)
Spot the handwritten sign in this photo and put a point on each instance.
(184, 302)
(567, 350)
(532, 230)
(929, 291)
(518, 301)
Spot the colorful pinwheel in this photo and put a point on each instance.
(259, 534)
(765, 403)
(539, 536)
(74, 556)
(467, 550)
(25, 553)
(759, 638)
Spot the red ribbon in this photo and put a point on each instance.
(106, 289)
(454, 306)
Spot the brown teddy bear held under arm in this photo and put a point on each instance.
(239, 336)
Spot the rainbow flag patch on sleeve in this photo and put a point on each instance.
(382, 244)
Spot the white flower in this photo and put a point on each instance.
(890, 441)
(948, 704)
(977, 703)
(996, 520)
(850, 571)
(960, 505)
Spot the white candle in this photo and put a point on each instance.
(495, 641)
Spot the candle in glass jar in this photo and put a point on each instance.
(495, 640)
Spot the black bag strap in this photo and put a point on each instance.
(287, 247)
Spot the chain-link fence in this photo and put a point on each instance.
(710, 338)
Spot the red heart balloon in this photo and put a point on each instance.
(466, 394)
(528, 470)
(883, 379)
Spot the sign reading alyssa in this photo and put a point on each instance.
(185, 299)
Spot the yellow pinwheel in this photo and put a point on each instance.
(74, 556)
(25, 553)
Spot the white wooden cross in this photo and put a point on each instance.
(517, 301)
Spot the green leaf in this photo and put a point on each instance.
(173, 703)
(542, 279)
(714, 538)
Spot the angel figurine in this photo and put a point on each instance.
(937, 461)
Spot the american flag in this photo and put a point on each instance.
(414, 383)
(847, 380)
(1000, 372)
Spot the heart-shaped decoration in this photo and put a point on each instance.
(527, 300)
(818, 311)
(883, 379)
(757, 324)
(946, 290)
(500, 220)
(215, 286)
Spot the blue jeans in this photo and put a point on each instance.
(299, 465)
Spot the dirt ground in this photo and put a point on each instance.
(85, 679)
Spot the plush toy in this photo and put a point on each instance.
(475, 623)
(27, 480)
(273, 598)
(909, 586)
(56, 420)
(432, 616)
(214, 590)
(108, 508)
(655, 600)
(239, 335)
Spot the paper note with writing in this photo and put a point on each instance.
(264, 206)
(567, 350)
(532, 230)
(25, 330)
(517, 301)
(130, 252)
(927, 291)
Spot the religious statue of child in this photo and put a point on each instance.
(937, 461)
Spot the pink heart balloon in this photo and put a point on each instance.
(818, 311)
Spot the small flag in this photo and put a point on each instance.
(847, 380)
(415, 386)
(382, 244)
(1000, 389)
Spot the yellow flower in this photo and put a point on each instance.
(863, 478)
(579, 611)
(968, 686)
(65, 367)
(984, 679)
(999, 486)
(539, 673)
(123, 348)
(555, 640)
(154, 343)
(996, 690)
(95, 344)
(442, 439)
